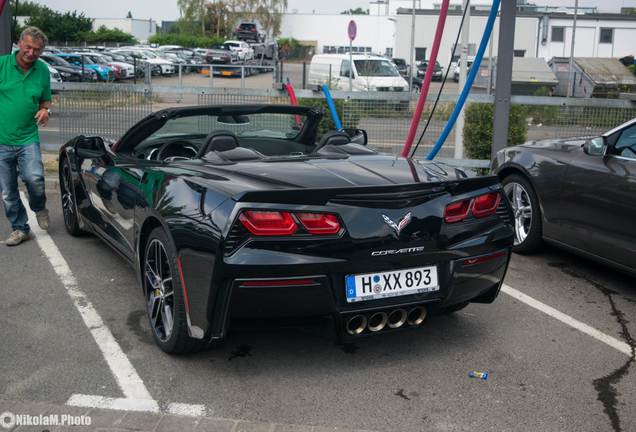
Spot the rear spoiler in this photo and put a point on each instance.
(370, 193)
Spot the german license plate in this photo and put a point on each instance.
(371, 286)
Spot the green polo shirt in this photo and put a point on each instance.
(20, 97)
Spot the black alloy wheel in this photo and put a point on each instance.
(69, 207)
(164, 296)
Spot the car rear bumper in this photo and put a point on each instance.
(318, 289)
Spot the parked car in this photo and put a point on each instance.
(401, 66)
(104, 73)
(55, 75)
(157, 66)
(242, 49)
(469, 63)
(218, 56)
(67, 71)
(122, 70)
(240, 211)
(577, 193)
(437, 72)
(224, 48)
(249, 31)
(368, 73)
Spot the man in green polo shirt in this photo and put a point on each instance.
(25, 98)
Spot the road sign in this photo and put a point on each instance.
(352, 30)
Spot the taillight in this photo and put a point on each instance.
(457, 211)
(486, 205)
(319, 223)
(268, 223)
(481, 206)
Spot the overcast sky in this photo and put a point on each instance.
(167, 9)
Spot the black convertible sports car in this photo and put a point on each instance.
(578, 193)
(231, 212)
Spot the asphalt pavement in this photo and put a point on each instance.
(558, 344)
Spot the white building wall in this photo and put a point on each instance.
(139, 28)
(376, 32)
(525, 35)
(587, 43)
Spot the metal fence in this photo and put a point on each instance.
(110, 109)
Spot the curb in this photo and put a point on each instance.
(113, 420)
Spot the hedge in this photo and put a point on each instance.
(478, 129)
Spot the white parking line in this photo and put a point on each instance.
(568, 320)
(137, 396)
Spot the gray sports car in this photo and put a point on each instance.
(579, 193)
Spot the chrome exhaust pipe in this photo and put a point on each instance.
(378, 321)
(397, 318)
(416, 316)
(356, 324)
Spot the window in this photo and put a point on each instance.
(626, 144)
(520, 53)
(558, 34)
(345, 69)
(607, 36)
(389, 52)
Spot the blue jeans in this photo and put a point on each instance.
(27, 162)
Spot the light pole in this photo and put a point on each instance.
(571, 69)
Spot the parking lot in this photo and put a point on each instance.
(558, 345)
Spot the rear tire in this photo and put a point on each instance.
(164, 297)
(527, 214)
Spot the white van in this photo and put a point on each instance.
(369, 73)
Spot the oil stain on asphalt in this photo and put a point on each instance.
(606, 386)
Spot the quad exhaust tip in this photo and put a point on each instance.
(397, 318)
(356, 324)
(378, 321)
(416, 316)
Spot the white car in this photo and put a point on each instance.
(469, 63)
(55, 75)
(242, 49)
(162, 66)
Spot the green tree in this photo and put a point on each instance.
(356, 11)
(57, 26)
(217, 19)
(104, 34)
(129, 14)
(192, 16)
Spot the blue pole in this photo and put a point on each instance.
(469, 81)
(332, 107)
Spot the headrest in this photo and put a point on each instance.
(219, 141)
(334, 138)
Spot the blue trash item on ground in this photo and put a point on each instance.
(477, 374)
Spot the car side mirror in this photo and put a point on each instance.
(357, 136)
(92, 147)
(594, 147)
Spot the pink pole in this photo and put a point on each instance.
(441, 22)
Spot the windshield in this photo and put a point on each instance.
(97, 59)
(258, 125)
(378, 68)
(57, 61)
(399, 62)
